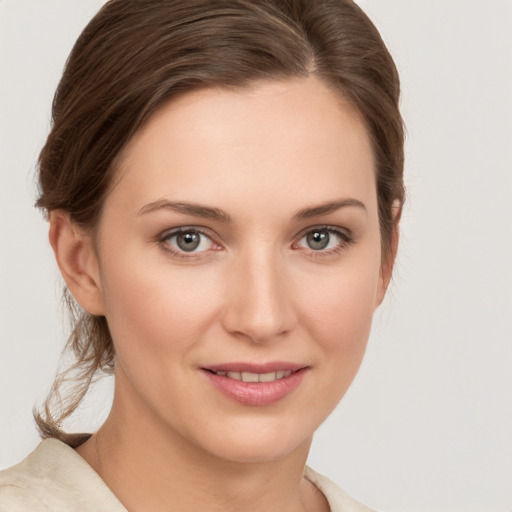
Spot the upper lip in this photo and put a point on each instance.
(272, 366)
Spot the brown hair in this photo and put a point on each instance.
(135, 54)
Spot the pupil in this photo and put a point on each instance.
(188, 241)
(318, 240)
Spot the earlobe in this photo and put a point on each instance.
(77, 261)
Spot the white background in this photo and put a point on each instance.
(427, 425)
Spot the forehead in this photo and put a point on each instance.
(264, 142)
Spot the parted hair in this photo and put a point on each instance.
(134, 55)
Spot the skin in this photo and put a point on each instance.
(253, 291)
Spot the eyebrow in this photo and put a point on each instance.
(208, 212)
(194, 209)
(326, 208)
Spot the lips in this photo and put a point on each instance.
(256, 385)
(256, 377)
(260, 368)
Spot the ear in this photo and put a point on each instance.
(77, 260)
(386, 270)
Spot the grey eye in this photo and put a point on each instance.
(188, 241)
(318, 239)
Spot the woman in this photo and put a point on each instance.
(223, 184)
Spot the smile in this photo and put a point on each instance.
(256, 384)
(255, 377)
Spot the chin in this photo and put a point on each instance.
(248, 451)
(257, 442)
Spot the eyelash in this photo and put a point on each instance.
(164, 239)
(346, 239)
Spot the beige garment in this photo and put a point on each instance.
(54, 478)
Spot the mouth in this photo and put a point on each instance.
(256, 385)
(254, 377)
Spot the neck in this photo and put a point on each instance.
(152, 468)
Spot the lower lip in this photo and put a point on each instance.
(256, 393)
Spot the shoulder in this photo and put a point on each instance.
(339, 500)
(54, 477)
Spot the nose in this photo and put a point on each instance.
(259, 302)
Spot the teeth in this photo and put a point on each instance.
(250, 377)
(256, 377)
(267, 377)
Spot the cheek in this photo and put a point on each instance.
(338, 315)
(158, 308)
(344, 305)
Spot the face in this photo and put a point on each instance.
(239, 265)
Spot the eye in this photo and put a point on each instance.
(187, 241)
(325, 239)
